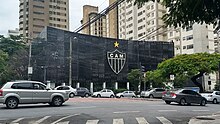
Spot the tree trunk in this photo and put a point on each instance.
(194, 80)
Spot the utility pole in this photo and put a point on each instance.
(30, 69)
(70, 63)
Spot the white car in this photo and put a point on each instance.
(213, 97)
(104, 93)
(72, 92)
(126, 94)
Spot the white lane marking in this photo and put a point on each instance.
(118, 121)
(66, 122)
(80, 107)
(163, 120)
(167, 110)
(63, 118)
(92, 121)
(141, 120)
(200, 110)
(17, 120)
(124, 112)
(42, 119)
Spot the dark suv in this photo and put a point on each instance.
(83, 92)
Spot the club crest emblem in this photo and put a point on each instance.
(116, 59)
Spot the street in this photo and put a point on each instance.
(105, 111)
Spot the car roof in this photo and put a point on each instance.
(24, 81)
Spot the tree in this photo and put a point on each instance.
(155, 78)
(135, 77)
(187, 12)
(190, 65)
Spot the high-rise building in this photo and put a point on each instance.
(34, 15)
(13, 32)
(112, 21)
(141, 22)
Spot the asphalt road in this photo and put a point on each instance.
(105, 111)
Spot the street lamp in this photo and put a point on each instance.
(30, 69)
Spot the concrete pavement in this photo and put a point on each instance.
(209, 119)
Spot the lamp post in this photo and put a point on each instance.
(30, 69)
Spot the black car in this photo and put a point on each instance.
(83, 92)
(183, 97)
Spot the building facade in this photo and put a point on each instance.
(34, 15)
(94, 59)
(141, 22)
(13, 32)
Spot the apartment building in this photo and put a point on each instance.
(14, 32)
(141, 22)
(34, 15)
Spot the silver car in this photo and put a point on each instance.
(126, 94)
(153, 93)
(23, 92)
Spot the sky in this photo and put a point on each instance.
(9, 13)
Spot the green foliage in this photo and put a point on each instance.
(186, 12)
(155, 78)
(135, 77)
(13, 58)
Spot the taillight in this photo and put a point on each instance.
(1, 92)
(173, 95)
(164, 92)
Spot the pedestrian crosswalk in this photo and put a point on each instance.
(68, 120)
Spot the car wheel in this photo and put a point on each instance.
(86, 95)
(133, 96)
(121, 96)
(151, 96)
(182, 101)
(214, 101)
(203, 102)
(167, 102)
(57, 101)
(71, 95)
(11, 103)
(98, 95)
(112, 96)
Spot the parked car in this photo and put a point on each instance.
(83, 92)
(72, 92)
(126, 94)
(153, 93)
(104, 93)
(183, 97)
(23, 92)
(213, 97)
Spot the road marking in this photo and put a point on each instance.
(66, 122)
(42, 119)
(118, 121)
(200, 110)
(80, 107)
(17, 120)
(164, 120)
(63, 118)
(167, 110)
(124, 112)
(141, 120)
(92, 122)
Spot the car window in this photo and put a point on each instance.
(38, 86)
(217, 93)
(109, 91)
(160, 90)
(186, 92)
(126, 92)
(60, 88)
(22, 86)
(66, 88)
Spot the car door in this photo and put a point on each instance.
(158, 92)
(104, 93)
(196, 98)
(79, 91)
(186, 94)
(40, 94)
(24, 91)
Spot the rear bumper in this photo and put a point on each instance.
(170, 99)
(2, 99)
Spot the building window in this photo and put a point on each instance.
(171, 34)
(189, 28)
(37, 6)
(190, 46)
(184, 47)
(39, 1)
(190, 37)
(38, 13)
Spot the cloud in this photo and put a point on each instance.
(9, 14)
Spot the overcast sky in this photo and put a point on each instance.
(9, 12)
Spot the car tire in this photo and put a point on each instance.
(203, 102)
(214, 101)
(112, 96)
(86, 95)
(167, 102)
(57, 101)
(11, 102)
(151, 96)
(121, 96)
(183, 102)
(99, 96)
(133, 97)
(71, 95)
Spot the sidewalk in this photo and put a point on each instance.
(210, 119)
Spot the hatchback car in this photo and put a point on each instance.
(72, 92)
(83, 92)
(183, 97)
(153, 93)
(104, 93)
(126, 94)
(23, 92)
